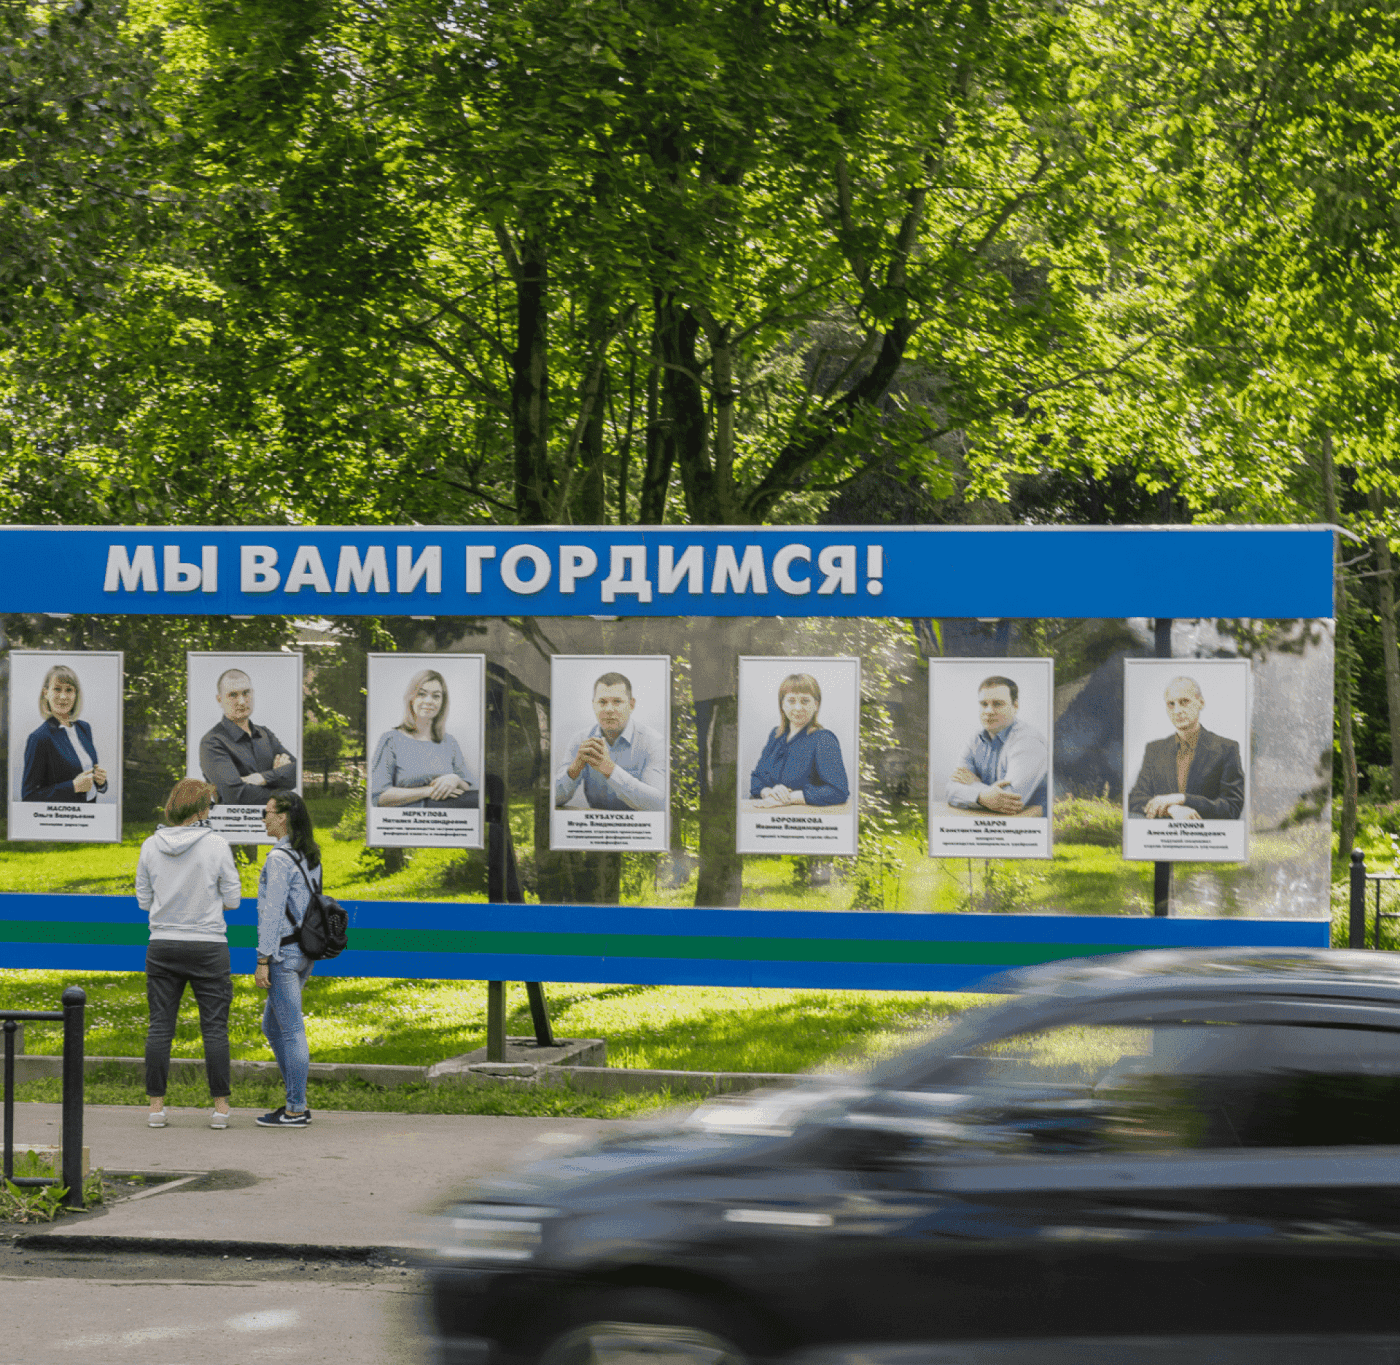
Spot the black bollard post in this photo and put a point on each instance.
(1356, 933)
(74, 1012)
(1162, 871)
(10, 1027)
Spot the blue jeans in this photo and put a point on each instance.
(282, 1022)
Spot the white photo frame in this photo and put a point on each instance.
(399, 763)
(801, 773)
(52, 757)
(972, 816)
(277, 707)
(631, 811)
(1195, 830)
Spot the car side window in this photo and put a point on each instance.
(1193, 1083)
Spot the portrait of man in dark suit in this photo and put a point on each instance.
(1192, 774)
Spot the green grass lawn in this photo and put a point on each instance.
(1087, 874)
(417, 1023)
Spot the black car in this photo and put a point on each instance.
(1153, 1147)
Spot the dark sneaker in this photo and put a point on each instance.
(280, 1118)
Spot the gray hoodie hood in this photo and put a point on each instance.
(185, 880)
(177, 839)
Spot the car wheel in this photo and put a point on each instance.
(647, 1327)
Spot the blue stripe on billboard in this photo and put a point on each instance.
(1271, 572)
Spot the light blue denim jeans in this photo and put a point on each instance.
(282, 1023)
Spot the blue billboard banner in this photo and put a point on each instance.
(885, 757)
(945, 571)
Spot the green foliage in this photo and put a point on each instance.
(30, 1204)
(1085, 821)
(41, 1203)
(1004, 887)
(322, 742)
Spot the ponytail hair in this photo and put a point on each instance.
(299, 831)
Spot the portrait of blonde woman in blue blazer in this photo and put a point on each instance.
(801, 764)
(60, 758)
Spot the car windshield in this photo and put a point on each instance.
(1196, 1082)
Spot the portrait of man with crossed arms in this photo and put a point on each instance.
(1192, 774)
(1005, 765)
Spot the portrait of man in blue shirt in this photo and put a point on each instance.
(621, 764)
(1006, 765)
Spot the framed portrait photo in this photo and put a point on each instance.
(1186, 728)
(243, 721)
(66, 746)
(991, 757)
(426, 717)
(610, 726)
(799, 759)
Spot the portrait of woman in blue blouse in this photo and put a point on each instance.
(801, 763)
(418, 763)
(60, 758)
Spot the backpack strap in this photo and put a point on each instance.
(294, 937)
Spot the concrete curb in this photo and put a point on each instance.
(32, 1067)
(599, 1080)
(190, 1246)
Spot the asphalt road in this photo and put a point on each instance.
(61, 1308)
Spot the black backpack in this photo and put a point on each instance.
(324, 929)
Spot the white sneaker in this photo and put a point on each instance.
(155, 1119)
(218, 1120)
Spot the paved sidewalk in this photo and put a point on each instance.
(349, 1180)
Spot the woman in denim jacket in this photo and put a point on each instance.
(292, 868)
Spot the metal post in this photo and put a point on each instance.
(10, 1027)
(1162, 871)
(503, 886)
(1161, 889)
(74, 1011)
(1356, 935)
(539, 1014)
(495, 1021)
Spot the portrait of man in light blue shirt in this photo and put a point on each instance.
(620, 764)
(1005, 766)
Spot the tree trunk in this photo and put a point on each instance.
(683, 414)
(589, 497)
(720, 876)
(1385, 606)
(1346, 835)
(660, 449)
(529, 391)
(719, 470)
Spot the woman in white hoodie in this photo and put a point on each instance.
(185, 880)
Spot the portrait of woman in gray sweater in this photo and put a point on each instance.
(418, 763)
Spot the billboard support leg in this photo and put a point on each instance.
(1161, 889)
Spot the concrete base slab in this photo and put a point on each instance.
(524, 1057)
(603, 1080)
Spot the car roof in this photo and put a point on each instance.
(1280, 971)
